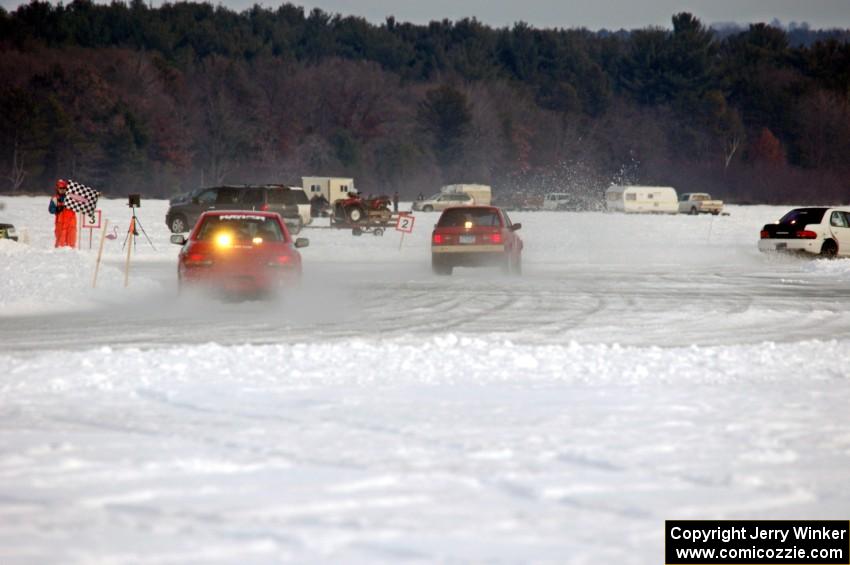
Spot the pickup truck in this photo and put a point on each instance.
(699, 203)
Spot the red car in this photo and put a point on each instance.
(472, 236)
(239, 252)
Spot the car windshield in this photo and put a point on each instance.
(803, 216)
(241, 228)
(458, 217)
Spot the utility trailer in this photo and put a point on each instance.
(361, 215)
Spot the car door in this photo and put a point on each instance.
(228, 198)
(839, 225)
(253, 198)
(205, 200)
(442, 202)
(512, 240)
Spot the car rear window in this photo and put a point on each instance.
(803, 216)
(457, 218)
(241, 228)
(288, 197)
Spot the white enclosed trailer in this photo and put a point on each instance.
(642, 199)
(333, 188)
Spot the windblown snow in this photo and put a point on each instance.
(644, 368)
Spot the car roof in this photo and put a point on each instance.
(239, 213)
(467, 208)
(258, 185)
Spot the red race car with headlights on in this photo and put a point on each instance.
(239, 252)
(472, 236)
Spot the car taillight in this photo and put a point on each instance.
(198, 260)
(280, 261)
(496, 238)
(264, 208)
(438, 239)
(806, 234)
(765, 234)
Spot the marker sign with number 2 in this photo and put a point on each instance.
(405, 224)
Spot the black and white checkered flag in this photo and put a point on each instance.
(81, 198)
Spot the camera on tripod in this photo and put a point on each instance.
(135, 201)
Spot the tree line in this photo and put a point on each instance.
(130, 98)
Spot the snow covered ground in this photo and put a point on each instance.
(643, 369)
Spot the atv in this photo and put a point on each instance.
(356, 211)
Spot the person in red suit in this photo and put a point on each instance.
(66, 219)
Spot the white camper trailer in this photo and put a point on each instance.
(642, 199)
(333, 188)
(481, 194)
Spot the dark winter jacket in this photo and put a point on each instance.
(57, 208)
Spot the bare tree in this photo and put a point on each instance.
(17, 174)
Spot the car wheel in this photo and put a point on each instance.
(178, 224)
(378, 231)
(427, 208)
(516, 266)
(297, 227)
(694, 211)
(829, 249)
(507, 265)
(440, 268)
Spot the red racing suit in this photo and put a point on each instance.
(65, 228)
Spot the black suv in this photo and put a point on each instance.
(185, 209)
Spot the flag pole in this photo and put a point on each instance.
(99, 253)
(129, 247)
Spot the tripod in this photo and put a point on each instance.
(134, 223)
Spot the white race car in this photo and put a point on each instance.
(819, 231)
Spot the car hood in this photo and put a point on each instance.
(181, 198)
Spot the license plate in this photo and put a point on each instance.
(467, 239)
(781, 246)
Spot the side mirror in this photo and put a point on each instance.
(515, 227)
(178, 239)
(302, 242)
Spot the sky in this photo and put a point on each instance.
(592, 14)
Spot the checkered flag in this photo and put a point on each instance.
(81, 198)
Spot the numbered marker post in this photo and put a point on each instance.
(404, 225)
(91, 226)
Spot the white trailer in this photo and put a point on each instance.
(332, 188)
(642, 199)
(481, 194)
